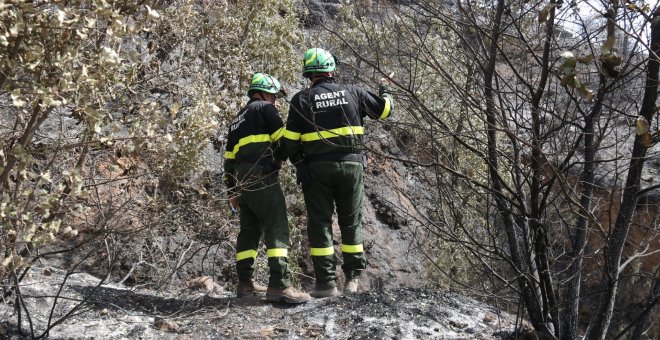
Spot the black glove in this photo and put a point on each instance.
(385, 92)
(217, 144)
(384, 89)
(302, 174)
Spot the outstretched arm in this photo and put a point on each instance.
(377, 106)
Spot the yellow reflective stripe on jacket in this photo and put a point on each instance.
(386, 110)
(246, 254)
(277, 134)
(351, 248)
(288, 134)
(247, 140)
(322, 251)
(277, 252)
(325, 134)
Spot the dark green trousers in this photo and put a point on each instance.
(334, 184)
(262, 212)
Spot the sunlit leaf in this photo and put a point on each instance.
(174, 109)
(81, 34)
(46, 177)
(586, 93)
(16, 98)
(643, 131)
(50, 101)
(13, 31)
(152, 13)
(567, 55)
(568, 66)
(215, 108)
(641, 125)
(60, 16)
(608, 46)
(7, 261)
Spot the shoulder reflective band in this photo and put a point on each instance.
(386, 110)
(322, 251)
(288, 134)
(351, 248)
(325, 134)
(246, 254)
(277, 252)
(245, 141)
(277, 134)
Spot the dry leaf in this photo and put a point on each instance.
(267, 332)
(641, 125)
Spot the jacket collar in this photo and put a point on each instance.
(324, 80)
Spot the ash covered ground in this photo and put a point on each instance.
(210, 312)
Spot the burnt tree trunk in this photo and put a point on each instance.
(587, 178)
(651, 302)
(529, 289)
(537, 200)
(600, 323)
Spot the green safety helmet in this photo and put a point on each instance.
(318, 60)
(264, 82)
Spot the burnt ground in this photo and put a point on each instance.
(117, 312)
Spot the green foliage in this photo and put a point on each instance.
(60, 62)
(108, 108)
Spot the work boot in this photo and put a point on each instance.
(287, 295)
(351, 286)
(324, 293)
(249, 288)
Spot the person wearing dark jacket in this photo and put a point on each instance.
(323, 139)
(252, 163)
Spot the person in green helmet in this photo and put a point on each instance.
(252, 163)
(323, 139)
